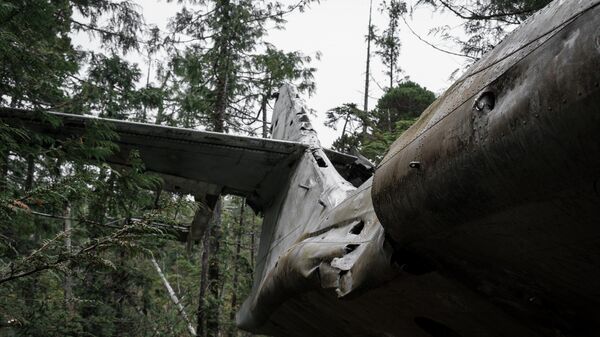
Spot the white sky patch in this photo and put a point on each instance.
(337, 28)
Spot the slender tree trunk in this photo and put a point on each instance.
(222, 69)
(145, 109)
(263, 106)
(120, 294)
(265, 126)
(368, 70)
(98, 207)
(345, 124)
(4, 169)
(212, 318)
(157, 194)
(174, 298)
(209, 282)
(236, 261)
(30, 172)
(391, 72)
(202, 302)
(221, 103)
(161, 108)
(159, 115)
(68, 283)
(252, 245)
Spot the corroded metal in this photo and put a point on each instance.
(506, 198)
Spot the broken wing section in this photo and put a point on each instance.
(189, 161)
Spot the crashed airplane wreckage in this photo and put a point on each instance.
(483, 219)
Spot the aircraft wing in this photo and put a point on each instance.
(189, 161)
(196, 162)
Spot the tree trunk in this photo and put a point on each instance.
(252, 245)
(210, 257)
(345, 124)
(391, 71)
(263, 107)
(174, 298)
(202, 305)
(221, 103)
(68, 284)
(222, 69)
(265, 128)
(236, 261)
(212, 318)
(30, 172)
(161, 108)
(368, 70)
(4, 169)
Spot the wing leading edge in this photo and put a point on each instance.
(189, 161)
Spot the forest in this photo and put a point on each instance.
(89, 249)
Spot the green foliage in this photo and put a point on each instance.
(375, 145)
(405, 101)
(37, 58)
(110, 89)
(100, 264)
(486, 21)
(77, 235)
(349, 114)
(229, 70)
(35, 51)
(352, 119)
(372, 133)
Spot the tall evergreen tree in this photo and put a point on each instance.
(389, 41)
(370, 36)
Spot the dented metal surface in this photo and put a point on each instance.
(321, 233)
(504, 198)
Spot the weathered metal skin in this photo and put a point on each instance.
(321, 233)
(496, 186)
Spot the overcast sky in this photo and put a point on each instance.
(337, 29)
